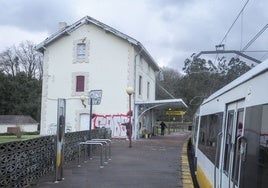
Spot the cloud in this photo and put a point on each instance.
(35, 15)
(18, 36)
(203, 24)
(171, 30)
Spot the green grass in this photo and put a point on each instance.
(14, 138)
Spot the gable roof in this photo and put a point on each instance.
(89, 20)
(16, 119)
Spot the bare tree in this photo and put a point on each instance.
(39, 66)
(29, 59)
(22, 58)
(9, 62)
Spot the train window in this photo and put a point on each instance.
(263, 149)
(202, 130)
(254, 169)
(228, 137)
(195, 124)
(210, 127)
(238, 130)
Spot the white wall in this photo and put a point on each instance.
(148, 75)
(24, 127)
(110, 67)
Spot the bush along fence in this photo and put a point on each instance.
(24, 162)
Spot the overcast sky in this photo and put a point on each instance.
(171, 30)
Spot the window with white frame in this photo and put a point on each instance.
(81, 51)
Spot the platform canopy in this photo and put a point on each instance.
(167, 104)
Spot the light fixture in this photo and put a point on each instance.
(130, 90)
(83, 98)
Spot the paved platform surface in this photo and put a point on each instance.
(150, 163)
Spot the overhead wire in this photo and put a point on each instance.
(242, 31)
(169, 94)
(262, 58)
(221, 43)
(241, 11)
(261, 51)
(255, 37)
(241, 39)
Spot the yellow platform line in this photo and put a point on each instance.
(186, 177)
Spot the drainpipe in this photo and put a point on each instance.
(135, 115)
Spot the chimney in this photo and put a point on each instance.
(62, 25)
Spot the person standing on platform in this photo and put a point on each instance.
(163, 127)
(129, 132)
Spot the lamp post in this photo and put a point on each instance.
(129, 91)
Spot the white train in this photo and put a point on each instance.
(231, 134)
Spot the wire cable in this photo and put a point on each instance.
(255, 37)
(169, 94)
(262, 58)
(234, 22)
(242, 31)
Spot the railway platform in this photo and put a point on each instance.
(151, 163)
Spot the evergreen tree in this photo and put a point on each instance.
(202, 78)
(20, 81)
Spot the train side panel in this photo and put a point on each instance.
(232, 134)
(204, 174)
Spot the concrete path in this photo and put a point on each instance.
(150, 163)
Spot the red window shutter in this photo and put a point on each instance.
(80, 83)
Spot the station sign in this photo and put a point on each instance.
(175, 112)
(95, 97)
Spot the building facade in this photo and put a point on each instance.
(10, 124)
(89, 55)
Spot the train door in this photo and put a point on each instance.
(233, 131)
(255, 162)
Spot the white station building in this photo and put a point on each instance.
(89, 55)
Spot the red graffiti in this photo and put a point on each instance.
(114, 122)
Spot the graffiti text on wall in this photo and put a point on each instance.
(114, 122)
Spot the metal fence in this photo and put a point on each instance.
(23, 162)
